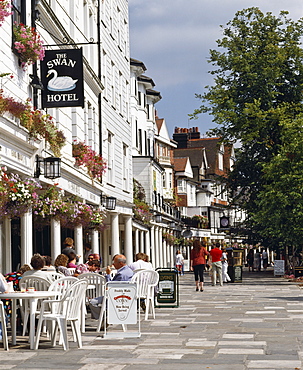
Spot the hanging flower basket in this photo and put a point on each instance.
(85, 156)
(5, 10)
(35, 121)
(28, 44)
(17, 195)
(142, 212)
(71, 213)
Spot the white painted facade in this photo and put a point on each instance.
(104, 124)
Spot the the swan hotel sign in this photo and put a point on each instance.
(62, 78)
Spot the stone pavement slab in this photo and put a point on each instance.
(256, 324)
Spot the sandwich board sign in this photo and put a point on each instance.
(122, 307)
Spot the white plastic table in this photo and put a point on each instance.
(33, 298)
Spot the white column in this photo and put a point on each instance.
(164, 248)
(115, 237)
(78, 236)
(55, 230)
(147, 243)
(26, 237)
(168, 256)
(153, 246)
(172, 257)
(142, 248)
(157, 248)
(136, 241)
(128, 242)
(95, 242)
(160, 247)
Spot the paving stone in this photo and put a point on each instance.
(254, 325)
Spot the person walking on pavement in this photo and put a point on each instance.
(225, 275)
(197, 262)
(264, 257)
(179, 261)
(215, 255)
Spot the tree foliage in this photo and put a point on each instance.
(255, 100)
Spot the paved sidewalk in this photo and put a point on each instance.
(256, 324)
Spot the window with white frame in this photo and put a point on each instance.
(181, 186)
(220, 158)
(125, 167)
(110, 161)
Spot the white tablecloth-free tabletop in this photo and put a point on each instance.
(33, 298)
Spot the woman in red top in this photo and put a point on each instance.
(197, 262)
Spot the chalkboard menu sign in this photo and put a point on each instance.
(279, 267)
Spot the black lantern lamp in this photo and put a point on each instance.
(108, 202)
(52, 167)
(36, 83)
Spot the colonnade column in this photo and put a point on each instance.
(142, 242)
(152, 243)
(128, 242)
(172, 256)
(95, 242)
(26, 237)
(160, 247)
(136, 241)
(55, 230)
(164, 246)
(147, 243)
(115, 237)
(78, 236)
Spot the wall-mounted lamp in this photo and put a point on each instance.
(108, 202)
(52, 167)
(36, 83)
(172, 224)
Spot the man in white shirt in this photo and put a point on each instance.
(141, 263)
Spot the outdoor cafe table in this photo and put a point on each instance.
(33, 298)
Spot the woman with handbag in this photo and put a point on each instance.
(197, 262)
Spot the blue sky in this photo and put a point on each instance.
(173, 38)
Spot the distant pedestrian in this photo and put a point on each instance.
(179, 261)
(197, 262)
(250, 258)
(216, 255)
(224, 260)
(257, 261)
(264, 257)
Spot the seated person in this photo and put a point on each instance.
(141, 263)
(72, 260)
(90, 266)
(48, 264)
(124, 273)
(37, 263)
(60, 264)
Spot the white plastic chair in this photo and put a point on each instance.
(62, 285)
(97, 283)
(54, 275)
(72, 270)
(38, 283)
(146, 281)
(4, 329)
(64, 310)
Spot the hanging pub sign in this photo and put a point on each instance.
(62, 78)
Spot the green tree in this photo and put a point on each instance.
(281, 199)
(258, 80)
